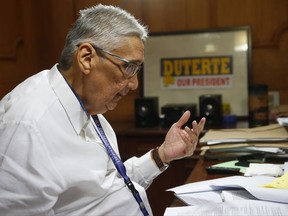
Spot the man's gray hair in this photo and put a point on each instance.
(104, 26)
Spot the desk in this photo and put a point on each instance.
(199, 172)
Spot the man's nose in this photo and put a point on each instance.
(133, 82)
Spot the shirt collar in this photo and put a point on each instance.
(67, 98)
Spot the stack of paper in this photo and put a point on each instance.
(281, 110)
(251, 184)
(283, 121)
(231, 196)
(232, 208)
(272, 138)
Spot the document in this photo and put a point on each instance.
(283, 121)
(230, 195)
(273, 133)
(280, 183)
(264, 169)
(232, 208)
(210, 197)
(251, 184)
(201, 198)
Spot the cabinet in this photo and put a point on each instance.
(134, 141)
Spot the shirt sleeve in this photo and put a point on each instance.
(27, 187)
(142, 170)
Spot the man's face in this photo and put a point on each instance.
(107, 82)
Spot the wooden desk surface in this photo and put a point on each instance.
(199, 173)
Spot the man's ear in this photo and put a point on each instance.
(85, 56)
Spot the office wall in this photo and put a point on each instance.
(33, 33)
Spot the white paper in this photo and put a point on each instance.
(251, 184)
(232, 208)
(244, 140)
(201, 198)
(208, 184)
(264, 169)
(268, 194)
(230, 195)
(265, 149)
(283, 121)
(211, 197)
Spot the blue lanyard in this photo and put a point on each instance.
(119, 164)
(116, 160)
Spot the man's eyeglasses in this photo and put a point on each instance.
(131, 68)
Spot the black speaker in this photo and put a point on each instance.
(146, 112)
(210, 106)
(172, 113)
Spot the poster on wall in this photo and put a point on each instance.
(196, 72)
(179, 67)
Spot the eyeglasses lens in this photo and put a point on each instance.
(132, 69)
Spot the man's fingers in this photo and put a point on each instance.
(184, 118)
(202, 123)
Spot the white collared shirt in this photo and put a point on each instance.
(53, 163)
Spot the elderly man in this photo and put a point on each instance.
(58, 154)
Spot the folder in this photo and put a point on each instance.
(273, 135)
